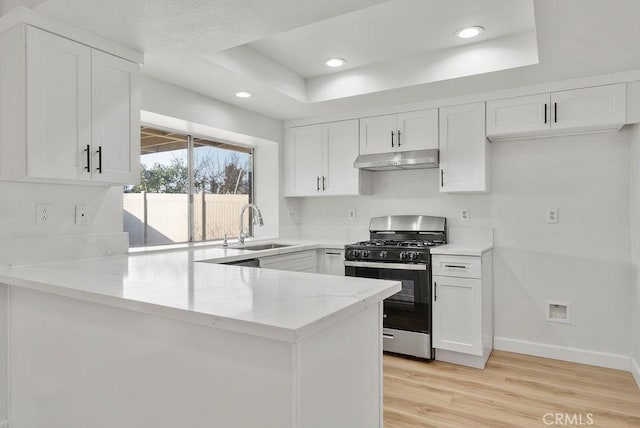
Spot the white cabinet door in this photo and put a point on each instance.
(298, 261)
(597, 107)
(378, 134)
(463, 149)
(58, 106)
(303, 160)
(340, 150)
(519, 116)
(457, 314)
(116, 119)
(417, 130)
(333, 262)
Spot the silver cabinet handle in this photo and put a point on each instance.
(435, 291)
(387, 335)
(398, 138)
(455, 266)
(392, 134)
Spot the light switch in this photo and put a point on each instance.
(553, 215)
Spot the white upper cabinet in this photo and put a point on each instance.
(599, 108)
(339, 151)
(416, 130)
(519, 115)
(303, 160)
(58, 106)
(116, 119)
(319, 160)
(75, 117)
(463, 149)
(378, 134)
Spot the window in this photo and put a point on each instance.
(191, 189)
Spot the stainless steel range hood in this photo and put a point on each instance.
(415, 159)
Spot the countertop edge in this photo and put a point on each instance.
(461, 250)
(278, 333)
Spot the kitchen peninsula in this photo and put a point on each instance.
(160, 339)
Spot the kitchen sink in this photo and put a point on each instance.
(262, 247)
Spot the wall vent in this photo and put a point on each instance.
(559, 312)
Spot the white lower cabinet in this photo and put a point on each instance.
(331, 262)
(463, 308)
(299, 261)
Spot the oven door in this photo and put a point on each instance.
(410, 308)
(413, 276)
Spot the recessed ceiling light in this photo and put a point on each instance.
(244, 94)
(469, 32)
(334, 62)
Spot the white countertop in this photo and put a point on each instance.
(474, 249)
(280, 305)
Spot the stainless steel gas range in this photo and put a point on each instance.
(398, 250)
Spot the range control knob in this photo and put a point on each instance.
(403, 255)
(413, 256)
(356, 253)
(365, 253)
(383, 254)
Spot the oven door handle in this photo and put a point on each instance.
(394, 266)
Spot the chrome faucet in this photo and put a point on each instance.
(257, 220)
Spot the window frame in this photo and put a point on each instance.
(191, 187)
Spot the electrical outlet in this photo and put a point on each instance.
(43, 214)
(553, 215)
(82, 214)
(351, 213)
(465, 214)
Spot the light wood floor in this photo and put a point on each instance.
(514, 390)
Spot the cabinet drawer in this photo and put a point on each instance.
(457, 266)
(302, 261)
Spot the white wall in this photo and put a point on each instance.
(635, 252)
(583, 260)
(22, 241)
(180, 103)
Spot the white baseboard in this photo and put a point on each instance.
(576, 355)
(635, 370)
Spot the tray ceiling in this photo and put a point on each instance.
(397, 51)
